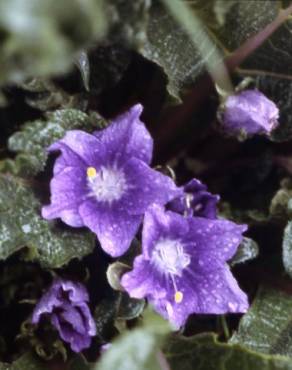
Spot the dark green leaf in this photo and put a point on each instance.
(21, 225)
(170, 47)
(267, 326)
(119, 307)
(28, 361)
(137, 349)
(247, 250)
(127, 22)
(279, 204)
(204, 352)
(287, 248)
(35, 137)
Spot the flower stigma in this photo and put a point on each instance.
(178, 296)
(91, 172)
(171, 259)
(107, 184)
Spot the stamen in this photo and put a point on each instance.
(178, 297)
(91, 172)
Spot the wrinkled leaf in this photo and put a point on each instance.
(266, 327)
(118, 307)
(35, 137)
(137, 349)
(21, 225)
(127, 22)
(279, 204)
(28, 361)
(204, 352)
(287, 248)
(170, 47)
(247, 250)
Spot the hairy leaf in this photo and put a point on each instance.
(21, 225)
(266, 327)
(35, 137)
(170, 47)
(119, 307)
(28, 361)
(204, 352)
(247, 250)
(287, 248)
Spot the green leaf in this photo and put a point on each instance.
(34, 138)
(118, 307)
(170, 47)
(21, 225)
(287, 248)
(137, 349)
(204, 352)
(247, 250)
(279, 205)
(28, 361)
(41, 37)
(127, 22)
(266, 327)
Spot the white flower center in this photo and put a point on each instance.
(108, 184)
(169, 256)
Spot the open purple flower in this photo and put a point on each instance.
(65, 303)
(103, 181)
(249, 112)
(183, 269)
(195, 200)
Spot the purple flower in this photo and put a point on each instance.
(183, 269)
(195, 200)
(103, 181)
(66, 304)
(249, 112)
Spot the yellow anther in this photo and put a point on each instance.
(178, 297)
(91, 171)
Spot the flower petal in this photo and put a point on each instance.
(127, 137)
(68, 190)
(67, 158)
(212, 242)
(142, 280)
(90, 150)
(115, 230)
(214, 293)
(159, 224)
(146, 187)
(77, 341)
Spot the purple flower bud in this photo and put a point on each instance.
(65, 303)
(103, 181)
(195, 201)
(249, 112)
(182, 268)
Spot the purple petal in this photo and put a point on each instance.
(89, 149)
(211, 242)
(127, 137)
(68, 190)
(142, 280)
(146, 187)
(77, 341)
(115, 229)
(76, 292)
(215, 293)
(67, 158)
(250, 111)
(159, 224)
